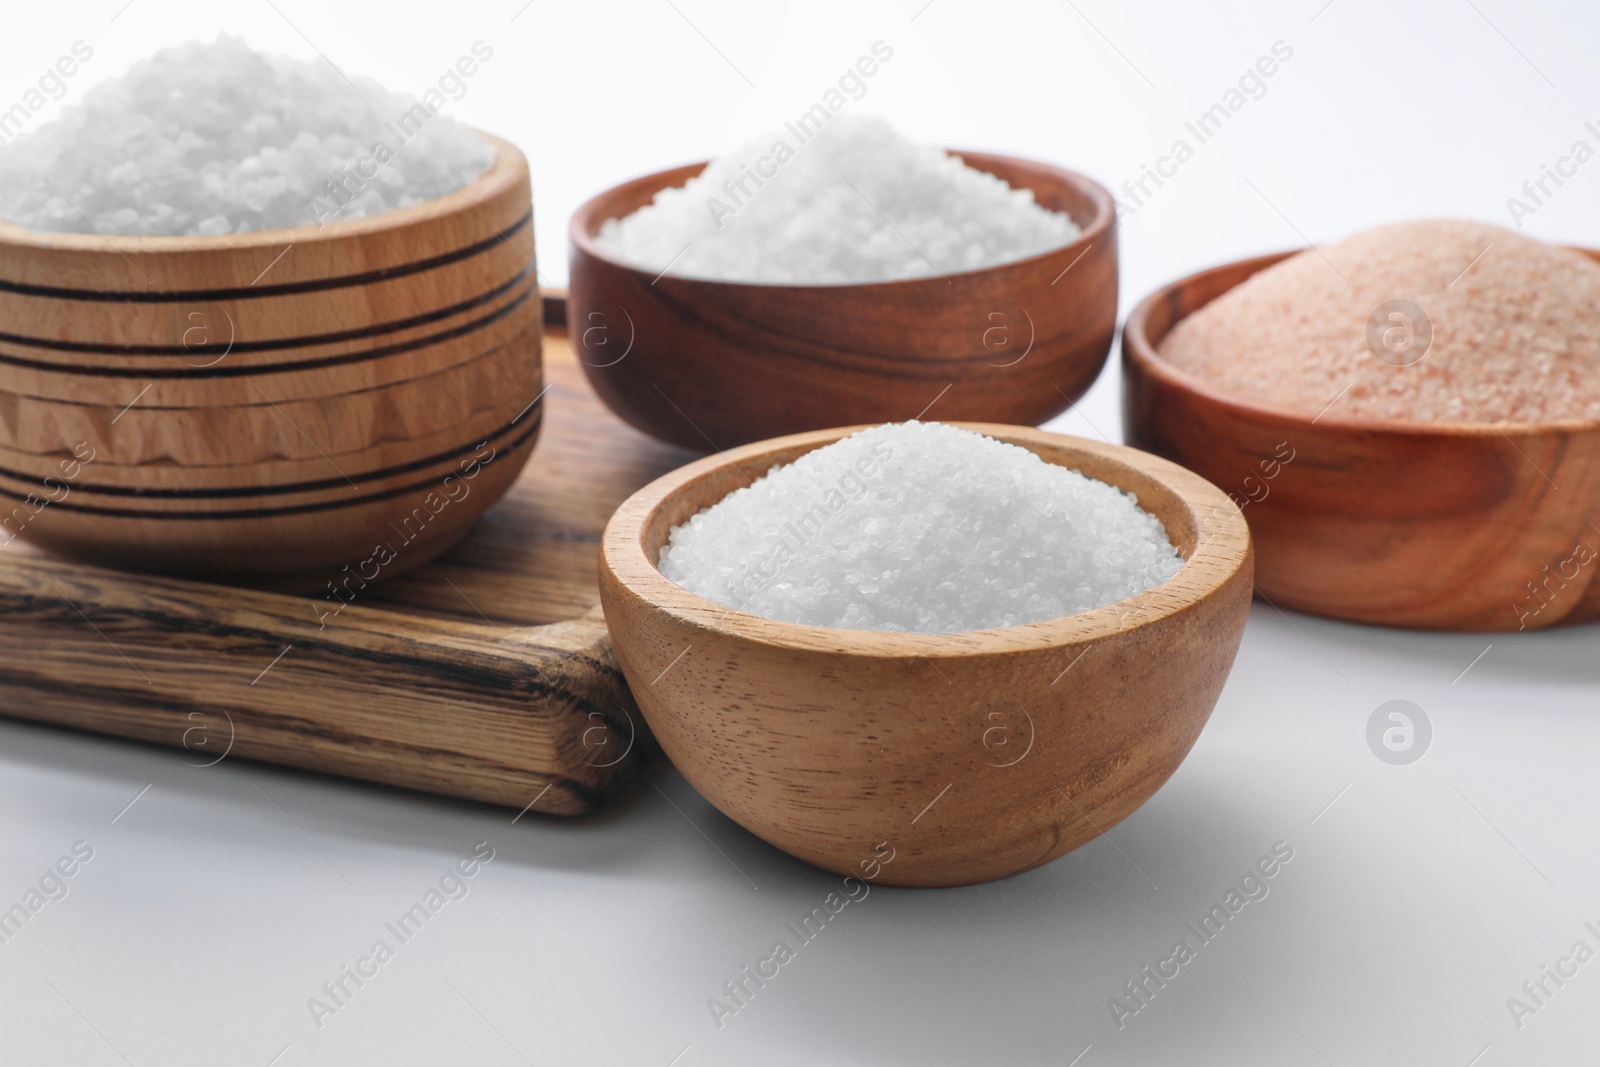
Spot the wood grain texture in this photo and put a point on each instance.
(270, 405)
(486, 674)
(1447, 526)
(712, 364)
(831, 743)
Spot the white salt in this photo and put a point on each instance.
(855, 202)
(218, 138)
(924, 528)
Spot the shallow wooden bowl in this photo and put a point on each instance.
(712, 364)
(1428, 525)
(968, 756)
(272, 405)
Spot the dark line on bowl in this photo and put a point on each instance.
(265, 513)
(307, 341)
(315, 285)
(346, 358)
(231, 492)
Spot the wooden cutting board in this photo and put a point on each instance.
(486, 674)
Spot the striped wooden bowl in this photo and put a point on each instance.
(278, 406)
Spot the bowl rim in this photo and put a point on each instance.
(1138, 350)
(1222, 548)
(507, 167)
(586, 221)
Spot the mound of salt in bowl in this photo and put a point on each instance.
(924, 528)
(1486, 325)
(854, 203)
(215, 138)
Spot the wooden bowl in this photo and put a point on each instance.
(712, 364)
(276, 405)
(1449, 526)
(969, 756)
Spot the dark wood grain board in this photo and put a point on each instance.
(486, 674)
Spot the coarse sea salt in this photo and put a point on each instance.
(854, 203)
(920, 528)
(1514, 324)
(215, 138)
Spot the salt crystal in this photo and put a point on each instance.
(1514, 325)
(922, 528)
(856, 202)
(217, 138)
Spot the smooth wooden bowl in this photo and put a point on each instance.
(273, 405)
(713, 364)
(971, 756)
(1447, 526)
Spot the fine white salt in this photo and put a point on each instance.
(922, 528)
(214, 138)
(852, 202)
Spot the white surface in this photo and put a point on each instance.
(1415, 905)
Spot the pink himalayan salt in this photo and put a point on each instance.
(1515, 322)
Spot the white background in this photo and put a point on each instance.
(1416, 904)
